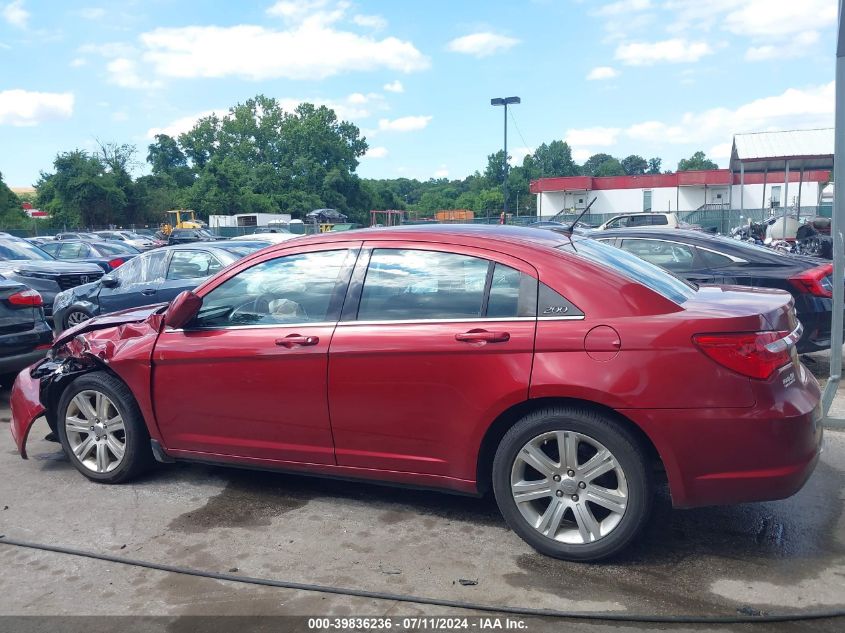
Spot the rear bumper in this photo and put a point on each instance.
(726, 456)
(22, 349)
(26, 407)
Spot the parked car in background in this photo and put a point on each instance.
(127, 237)
(275, 237)
(152, 277)
(187, 236)
(38, 241)
(654, 220)
(80, 235)
(25, 335)
(107, 255)
(559, 372)
(708, 259)
(26, 263)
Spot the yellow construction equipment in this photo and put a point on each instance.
(180, 219)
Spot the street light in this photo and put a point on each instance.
(506, 101)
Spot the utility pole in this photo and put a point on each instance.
(505, 101)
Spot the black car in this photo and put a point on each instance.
(26, 263)
(188, 236)
(710, 259)
(25, 335)
(107, 255)
(152, 277)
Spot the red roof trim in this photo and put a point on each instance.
(710, 177)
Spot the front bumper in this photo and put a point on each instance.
(26, 408)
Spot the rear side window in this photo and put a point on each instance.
(72, 250)
(714, 260)
(192, 265)
(659, 220)
(670, 255)
(632, 267)
(404, 284)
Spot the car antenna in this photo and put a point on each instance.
(587, 208)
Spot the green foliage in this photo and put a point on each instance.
(603, 165)
(634, 165)
(696, 161)
(654, 165)
(11, 213)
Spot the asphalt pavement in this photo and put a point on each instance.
(754, 558)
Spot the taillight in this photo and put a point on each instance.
(753, 354)
(115, 263)
(815, 281)
(26, 299)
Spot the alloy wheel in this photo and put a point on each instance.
(76, 317)
(95, 431)
(569, 487)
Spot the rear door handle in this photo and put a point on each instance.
(482, 336)
(295, 339)
(148, 291)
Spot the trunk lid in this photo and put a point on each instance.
(744, 309)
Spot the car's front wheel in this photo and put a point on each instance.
(102, 430)
(572, 483)
(75, 316)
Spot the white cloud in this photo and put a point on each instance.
(623, 6)
(795, 47)
(482, 44)
(123, 72)
(674, 51)
(442, 172)
(375, 22)
(593, 136)
(77, 62)
(120, 115)
(404, 124)
(183, 124)
(394, 86)
(795, 108)
(768, 18)
(376, 152)
(309, 50)
(722, 150)
(92, 13)
(21, 108)
(15, 14)
(581, 155)
(602, 72)
(517, 154)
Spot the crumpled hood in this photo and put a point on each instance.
(132, 315)
(56, 267)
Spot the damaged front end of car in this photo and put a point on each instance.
(113, 343)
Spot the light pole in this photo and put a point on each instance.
(506, 101)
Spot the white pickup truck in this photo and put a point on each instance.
(667, 220)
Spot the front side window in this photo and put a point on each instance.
(193, 265)
(73, 250)
(670, 255)
(291, 289)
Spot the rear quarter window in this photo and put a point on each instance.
(634, 268)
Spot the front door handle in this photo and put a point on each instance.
(148, 292)
(295, 339)
(482, 336)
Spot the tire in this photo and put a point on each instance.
(103, 430)
(75, 316)
(615, 492)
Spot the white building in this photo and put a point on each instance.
(767, 170)
(247, 219)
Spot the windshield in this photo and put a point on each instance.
(14, 250)
(631, 266)
(116, 248)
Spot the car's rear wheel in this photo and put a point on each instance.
(573, 483)
(102, 430)
(75, 317)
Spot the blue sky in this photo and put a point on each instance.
(652, 77)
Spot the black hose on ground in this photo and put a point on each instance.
(440, 602)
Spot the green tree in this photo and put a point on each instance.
(696, 161)
(603, 165)
(654, 165)
(167, 159)
(12, 214)
(554, 159)
(634, 165)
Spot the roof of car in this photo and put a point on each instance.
(441, 232)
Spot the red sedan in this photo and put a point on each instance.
(565, 375)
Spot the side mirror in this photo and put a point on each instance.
(182, 309)
(109, 282)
